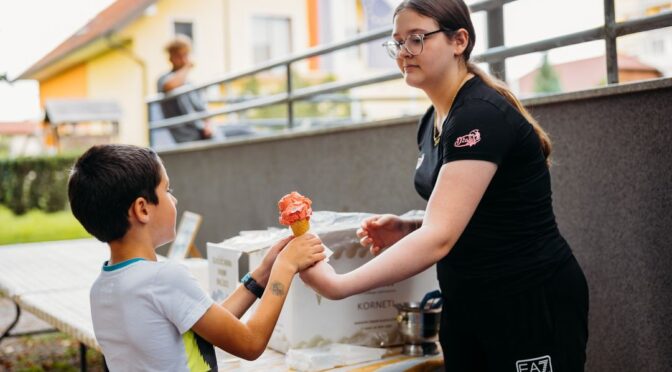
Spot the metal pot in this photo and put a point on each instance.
(418, 327)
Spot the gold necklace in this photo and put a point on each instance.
(436, 134)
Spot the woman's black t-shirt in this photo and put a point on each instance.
(512, 241)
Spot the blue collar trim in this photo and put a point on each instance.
(120, 265)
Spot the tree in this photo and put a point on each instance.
(547, 80)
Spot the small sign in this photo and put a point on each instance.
(184, 238)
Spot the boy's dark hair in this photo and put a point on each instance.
(105, 181)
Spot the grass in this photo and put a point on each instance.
(37, 226)
(54, 352)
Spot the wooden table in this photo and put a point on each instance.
(393, 361)
(52, 281)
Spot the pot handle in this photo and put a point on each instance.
(432, 296)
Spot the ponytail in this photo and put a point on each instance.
(502, 89)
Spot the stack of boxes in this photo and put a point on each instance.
(307, 319)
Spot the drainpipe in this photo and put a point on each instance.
(120, 47)
(227, 35)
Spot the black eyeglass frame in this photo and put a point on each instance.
(388, 45)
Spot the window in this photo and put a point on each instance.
(186, 29)
(271, 38)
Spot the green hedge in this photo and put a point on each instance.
(35, 183)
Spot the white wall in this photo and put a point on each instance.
(114, 76)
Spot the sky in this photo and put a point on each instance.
(29, 29)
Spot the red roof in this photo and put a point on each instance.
(112, 18)
(586, 73)
(17, 128)
(626, 62)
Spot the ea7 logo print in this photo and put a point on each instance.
(469, 140)
(540, 364)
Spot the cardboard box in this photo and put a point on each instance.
(307, 319)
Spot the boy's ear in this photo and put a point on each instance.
(139, 210)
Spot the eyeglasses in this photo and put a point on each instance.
(413, 44)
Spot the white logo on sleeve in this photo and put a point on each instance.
(420, 159)
(469, 140)
(540, 364)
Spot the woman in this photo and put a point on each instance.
(515, 298)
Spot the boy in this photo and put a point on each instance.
(153, 316)
(179, 54)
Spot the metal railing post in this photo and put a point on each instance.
(149, 124)
(495, 17)
(610, 41)
(290, 101)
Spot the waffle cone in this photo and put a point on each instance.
(300, 227)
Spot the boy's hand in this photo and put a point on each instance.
(262, 273)
(302, 252)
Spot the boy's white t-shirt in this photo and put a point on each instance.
(142, 314)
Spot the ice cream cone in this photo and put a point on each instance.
(300, 227)
(295, 211)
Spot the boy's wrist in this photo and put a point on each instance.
(286, 265)
(252, 285)
(261, 275)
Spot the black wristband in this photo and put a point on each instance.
(252, 285)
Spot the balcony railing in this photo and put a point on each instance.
(495, 56)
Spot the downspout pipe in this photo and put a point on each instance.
(121, 48)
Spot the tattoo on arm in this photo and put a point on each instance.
(278, 289)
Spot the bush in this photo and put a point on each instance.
(35, 183)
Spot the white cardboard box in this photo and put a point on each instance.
(307, 319)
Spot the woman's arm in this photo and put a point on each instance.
(458, 191)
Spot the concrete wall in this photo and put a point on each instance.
(612, 185)
(612, 188)
(236, 186)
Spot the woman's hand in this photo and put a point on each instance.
(382, 231)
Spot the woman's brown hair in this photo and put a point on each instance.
(452, 15)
